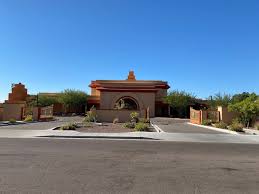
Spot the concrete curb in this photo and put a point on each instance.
(216, 129)
(54, 128)
(98, 137)
(251, 131)
(158, 129)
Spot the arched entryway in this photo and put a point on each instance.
(126, 103)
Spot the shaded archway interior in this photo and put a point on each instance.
(126, 103)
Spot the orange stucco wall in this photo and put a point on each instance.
(12, 111)
(19, 93)
(1, 113)
(195, 116)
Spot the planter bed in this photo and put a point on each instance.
(104, 128)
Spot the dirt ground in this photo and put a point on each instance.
(105, 128)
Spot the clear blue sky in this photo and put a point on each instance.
(201, 46)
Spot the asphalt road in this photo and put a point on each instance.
(187, 128)
(91, 166)
(44, 125)
(172, 125)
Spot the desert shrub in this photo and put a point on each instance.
(221, 125)
(144, 120)
(12, 120)
(206, 122)
(141, 127)
(28, 118)
(87, 124)
(236, 126)
(90, 116)
(71, 126)
(134, 116)
(115, 120)
(129, 125)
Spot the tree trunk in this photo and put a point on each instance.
(248, 124)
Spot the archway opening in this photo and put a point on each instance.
(126, 103)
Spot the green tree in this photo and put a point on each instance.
(180, 102)
(219, 100)
(47, 100)
(240, 97)
(247, 108)
(73, 98)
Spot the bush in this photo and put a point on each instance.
(12, 120)
(141, 127)
(71, 126)
(144, 120)
(116, 120)
(87, 124)
(206, 122)
(134, 116)
(90, 116)
(236, 126)
(221, 125)
(129, 125)
(28, 118)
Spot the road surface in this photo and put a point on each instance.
(105, 166)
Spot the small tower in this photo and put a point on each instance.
(18, 94)
(131, 76)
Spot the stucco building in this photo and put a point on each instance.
(112, 99)
(117, 98)
(14, 107)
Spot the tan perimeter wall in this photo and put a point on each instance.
(109, 115)
(145, 100)
(222, 114)
(256, 123)
(226, 116)
(195, 116)
(12, 111)
(1, 113)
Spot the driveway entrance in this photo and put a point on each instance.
(174, 125)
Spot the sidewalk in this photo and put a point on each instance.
(176, 137)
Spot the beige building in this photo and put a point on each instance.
(118, 98)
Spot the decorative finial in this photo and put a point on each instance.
(131, 76)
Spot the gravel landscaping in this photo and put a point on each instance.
(104, 128)
(99, 128)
